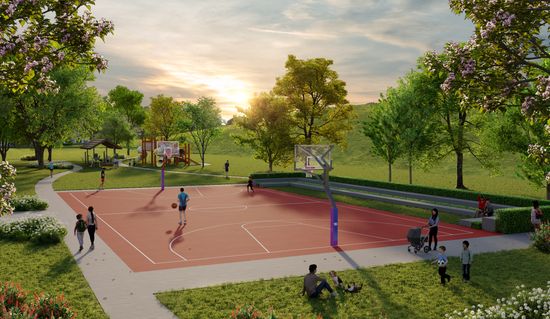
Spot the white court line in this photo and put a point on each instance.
(253, 237)
(103, 221)
(199, 191)
(175, 253)
(345, 231)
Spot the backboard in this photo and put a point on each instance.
(313, 157)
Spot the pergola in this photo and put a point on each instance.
(92, 144)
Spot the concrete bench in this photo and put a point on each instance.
(489, 223)
(467, 222)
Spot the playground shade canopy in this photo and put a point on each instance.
(96, 142)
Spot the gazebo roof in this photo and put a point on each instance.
(102, 141)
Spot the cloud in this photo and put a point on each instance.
(231, 49)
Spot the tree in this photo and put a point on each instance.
(507, 60)
(383, 127)
(203, 122)
(116, 128)
(162, 119)
(318, 99)
(459, 117)
(8, 132)
(268, 127)
(128, 103)
(40, 35)
(413, 101)
(48, 118)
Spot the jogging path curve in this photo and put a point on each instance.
(125, 294)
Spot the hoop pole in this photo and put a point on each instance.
(162, 175)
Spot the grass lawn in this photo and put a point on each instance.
(51, 269)
(27, 178)
(409, 290)
(397, 209)
(124, 177)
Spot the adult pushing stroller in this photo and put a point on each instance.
(416, 240)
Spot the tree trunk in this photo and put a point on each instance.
(4, 155)
(270, 166)
(459, 172)
(410, 170)
(50, 153)
(389, 172)
(39, 154)
(547, 191)
(4, 148)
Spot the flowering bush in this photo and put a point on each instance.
(27, 202)
(42, 230)
(16, 304)
(7, 187)
(532, 304)
(250, 312)
(541, 238)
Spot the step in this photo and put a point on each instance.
(489, 223)
(467, 222)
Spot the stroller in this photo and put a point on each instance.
(416, 240)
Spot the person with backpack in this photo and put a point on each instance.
(79, 229)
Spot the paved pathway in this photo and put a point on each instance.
(125, 294)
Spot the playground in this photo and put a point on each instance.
(228, 224)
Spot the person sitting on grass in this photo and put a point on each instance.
(338, 282)
(310, 284)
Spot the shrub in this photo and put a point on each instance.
(278, 175)
(454, 193)
(517, 220)
(27, 202)
(476, 225)
(532, 304)
(55, 166)
(541, 238)
(41, 230)
(28, 158)
(250, 312)
(16, 304)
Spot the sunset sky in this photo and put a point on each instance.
(231, 49)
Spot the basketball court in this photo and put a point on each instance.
(228, 224)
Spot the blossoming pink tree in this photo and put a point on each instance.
(506, 63)
(38, 35)
(7, 187)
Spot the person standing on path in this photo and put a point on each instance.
(79, 230)
(433, 224)
(183, 198)
(466, 257)
(102, 177)
(92, 225)
(226, 166)
(536, 215)
(50, 167)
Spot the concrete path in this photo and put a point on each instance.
(125, 294)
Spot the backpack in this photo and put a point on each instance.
(81, 226)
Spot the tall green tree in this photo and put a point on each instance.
(461, 120)
(203, 122)
(116, 128)
(46, 119)
(40, 35)
(163, 117)
(318, 100)
(8, 131)
(383, 127)
(268, 126)
(128, 103)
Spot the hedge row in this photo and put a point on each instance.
(278, 175)
(517, 220)
(454, 193)
(40, 230)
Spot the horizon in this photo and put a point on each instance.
(233, 50)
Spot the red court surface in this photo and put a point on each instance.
(227, 224)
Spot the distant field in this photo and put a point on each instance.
(354, 161)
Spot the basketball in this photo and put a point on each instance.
(441, 263)
(174, 205)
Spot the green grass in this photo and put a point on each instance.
(123, 177)
(409, 290)
(397, 209)
(50, 269)
(27, 178)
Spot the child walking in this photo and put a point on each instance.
(79, 229)
(250, 185)
(442, 261)
(102, 177)
(466, 257)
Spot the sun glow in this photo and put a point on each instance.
(228, 91)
